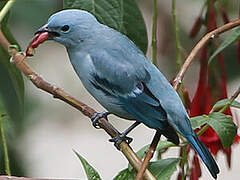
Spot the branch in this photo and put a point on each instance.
(178, 79)
(233, 97)
(149, 155)
(20, 61)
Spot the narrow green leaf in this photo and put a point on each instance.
(11, 80)
(122, 15)
(5, 148)
(228, 41)
(224, 102)
(198, 121)
(224, 126)
(92, 174)
(164, 168)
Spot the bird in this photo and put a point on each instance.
(122, 79)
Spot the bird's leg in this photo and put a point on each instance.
(123, 136)
(95, 118)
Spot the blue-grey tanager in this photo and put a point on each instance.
(120, 77)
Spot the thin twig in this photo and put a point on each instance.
(19, 60)
(148, 156)
(178, 79)
(233, 97)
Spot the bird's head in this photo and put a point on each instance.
(70, 27)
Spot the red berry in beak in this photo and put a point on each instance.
(38, 39)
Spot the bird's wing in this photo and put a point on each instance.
(118, 78)
(115, 74)
(169, 99)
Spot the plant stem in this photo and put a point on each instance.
(178, 79)
(5, 149)
(6, 8)
(148, 156)
(234, 96)
(176, 32)
(154, 32)
(203, 130)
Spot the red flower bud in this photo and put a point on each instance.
(196, 27)
(212, 23)
(224, 15)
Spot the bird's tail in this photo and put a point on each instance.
(204, 154)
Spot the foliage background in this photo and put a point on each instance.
(52, 129)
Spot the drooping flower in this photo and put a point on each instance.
(212, 86)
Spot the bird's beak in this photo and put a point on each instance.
(41, 35)
(42, 29)
(51, 32)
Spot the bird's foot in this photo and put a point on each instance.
(119, 139)
(95, 118)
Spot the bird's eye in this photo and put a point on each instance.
(65, 28)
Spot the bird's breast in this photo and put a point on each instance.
(84, 67)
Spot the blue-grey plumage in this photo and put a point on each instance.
(122, 79)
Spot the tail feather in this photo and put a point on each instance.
(204, 154)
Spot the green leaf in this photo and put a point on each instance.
(126, 174)
(228, 41)
(221, 123)
(122, 15)
(224, 102)
(198, 121)
(161, 169)
(164, 168)
(224, 127)
(11, 80)
(92, 174)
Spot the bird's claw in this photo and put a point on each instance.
(119, 139)
(95, 118)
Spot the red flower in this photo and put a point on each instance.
(196, 168)
(212, 86)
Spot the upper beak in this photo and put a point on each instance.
(42, 29)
